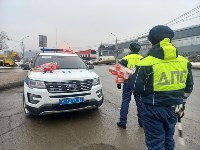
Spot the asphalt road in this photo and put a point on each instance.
(86, 130)
(9, 69)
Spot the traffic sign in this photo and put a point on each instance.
(42, 41)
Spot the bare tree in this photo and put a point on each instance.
(3, 38)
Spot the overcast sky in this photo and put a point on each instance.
(85, 24)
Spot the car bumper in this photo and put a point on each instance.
(57, 108)
(49, 102)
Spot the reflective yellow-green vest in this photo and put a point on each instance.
(168, 74)
(132, 60)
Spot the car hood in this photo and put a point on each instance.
(63, 75)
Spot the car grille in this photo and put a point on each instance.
(69, 86)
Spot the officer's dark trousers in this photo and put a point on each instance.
(159, 125)
(126, 98)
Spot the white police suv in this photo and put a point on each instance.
(71, 87)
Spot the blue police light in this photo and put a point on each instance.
(50, 49)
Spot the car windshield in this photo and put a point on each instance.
(63, 62)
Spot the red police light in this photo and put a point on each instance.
(68, 50)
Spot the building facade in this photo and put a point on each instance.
(186, 40)
(106, 50)
(87, 54)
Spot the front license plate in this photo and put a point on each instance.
(65, 101)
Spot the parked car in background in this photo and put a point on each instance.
(85, 61)
(25, 64)
(92, 62)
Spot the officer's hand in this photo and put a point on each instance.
(181, 111)
(180, 114)
(119, 86)
(183, 106)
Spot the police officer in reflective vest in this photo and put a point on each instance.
(164, 80)
(129, 61)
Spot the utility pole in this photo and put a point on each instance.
(22, 45)
(116, 48)
(56, 38)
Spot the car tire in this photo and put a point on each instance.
(27, 113)
(100, 103)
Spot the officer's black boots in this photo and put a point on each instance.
(119, 86)
(140, 123)
(121, 126)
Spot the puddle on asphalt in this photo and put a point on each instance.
(100, 146)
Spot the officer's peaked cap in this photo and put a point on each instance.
(135, 47)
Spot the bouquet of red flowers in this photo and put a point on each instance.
(122, 73)
(46, 67)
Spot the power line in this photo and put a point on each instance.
(183, 14)
(170, 23)
(184, 18)
(191, 18)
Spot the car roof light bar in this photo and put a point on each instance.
(56, 50)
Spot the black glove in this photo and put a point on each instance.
(119, 86)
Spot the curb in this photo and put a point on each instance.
(195, 65)
(11, 85)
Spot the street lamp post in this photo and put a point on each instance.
(22, 45)
(116, 51)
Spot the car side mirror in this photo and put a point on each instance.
(26, 68)
(91, 67)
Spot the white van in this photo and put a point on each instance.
(106, 60)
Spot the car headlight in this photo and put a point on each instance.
(36, 84)
(96, 81)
